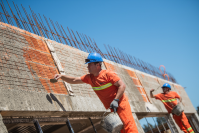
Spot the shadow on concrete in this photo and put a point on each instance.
(56, 100)
(49, 99)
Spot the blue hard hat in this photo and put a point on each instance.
(166, 85)
(93, 57)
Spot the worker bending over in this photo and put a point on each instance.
(108, 87)
(169, 99)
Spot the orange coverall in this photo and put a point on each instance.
(103, 86)
(169, 100)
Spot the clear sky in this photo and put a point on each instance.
(160, 32)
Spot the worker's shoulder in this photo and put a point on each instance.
(86, 76)
(109, 71)
(159, 94)
(173, 92)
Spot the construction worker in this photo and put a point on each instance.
(169, 99)
(108, 87)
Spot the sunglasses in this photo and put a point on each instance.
(87, 60)
(165, 87)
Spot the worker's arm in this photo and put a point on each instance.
(69, 79)
(151, 93)
(121, 88)
(179, 100)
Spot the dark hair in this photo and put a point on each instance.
(100, 63)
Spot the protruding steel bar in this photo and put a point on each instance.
(98, 48)
(82, 42)
(122, 54)
(132, 61)
(34, 26)
(88, 43)
(34, 18)
(83, 38)
(1, 18)
(108, 54)
(113, 54)
(43, 27)
(13, 15)
(93, 50)
(127, 58)
(56, 31)
(79, 44)
(26, 26)
(5, 12)
(20, 17)
(40, 24)
(135, 64)
(120, 60)
(69, 126)
(10, 18)
(72, 39)
(67, 36)
(95, 47)
(122, 57)
(37, 126)
(28, 19)
(61, 33)
(92, 125)
(49, 28)
(141, 65)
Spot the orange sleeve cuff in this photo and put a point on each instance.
(156, 96)
(85, 78)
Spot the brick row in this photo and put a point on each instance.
(46, 86)
(43, 46)
(28, 39)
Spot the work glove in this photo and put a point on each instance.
(114, 105)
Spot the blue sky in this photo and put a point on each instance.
(156, 31)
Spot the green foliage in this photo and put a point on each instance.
(160, 120)
(147, 128)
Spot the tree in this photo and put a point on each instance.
(160, 120)
(147, 128)
(198, 110)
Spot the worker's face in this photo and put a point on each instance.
(93, 68)
(165, 90)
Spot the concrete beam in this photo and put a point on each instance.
(3, 128)
(90, 127)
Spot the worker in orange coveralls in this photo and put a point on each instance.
(169, 99)
(108, 87)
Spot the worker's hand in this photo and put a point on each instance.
(57, 76)
(114, 105)
(152, 90)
